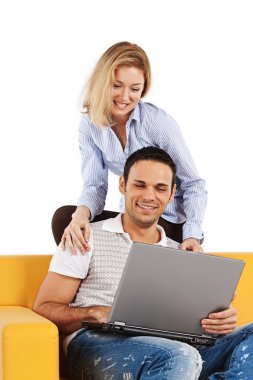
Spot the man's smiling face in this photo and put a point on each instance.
(147, 191)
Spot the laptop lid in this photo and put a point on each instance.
(169, 289)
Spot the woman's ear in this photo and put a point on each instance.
(122, 185)
(171, 198)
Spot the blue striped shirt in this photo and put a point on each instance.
(147, 125)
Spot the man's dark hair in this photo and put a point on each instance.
(149, 153)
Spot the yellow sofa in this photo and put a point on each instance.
(29, 347)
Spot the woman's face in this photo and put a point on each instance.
(127, 90)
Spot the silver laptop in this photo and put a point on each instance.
(166, 292)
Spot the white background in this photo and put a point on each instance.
(201, 57)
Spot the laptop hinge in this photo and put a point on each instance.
(119, 323)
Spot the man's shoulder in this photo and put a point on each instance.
(172, 243)
(97, 225)
(110, 225)
(107, 230)
(108, 237)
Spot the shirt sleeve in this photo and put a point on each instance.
(67, 264)
(94, 171)
(191, 192)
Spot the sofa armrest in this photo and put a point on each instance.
(29, 345)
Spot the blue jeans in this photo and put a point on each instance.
(230, 358)
(97, 356)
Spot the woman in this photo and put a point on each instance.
(116, 123)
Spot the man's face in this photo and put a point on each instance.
(147, 191)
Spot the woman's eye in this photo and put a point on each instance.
(135, 89)
(116, 85)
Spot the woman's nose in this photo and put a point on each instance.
(125, 94)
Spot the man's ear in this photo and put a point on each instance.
(171, 198)
(122, 185)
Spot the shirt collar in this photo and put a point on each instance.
(135, 114)
(115, 225)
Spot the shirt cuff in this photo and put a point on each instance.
(90, 204)
(194, 232)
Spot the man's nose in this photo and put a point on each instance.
(148, 194)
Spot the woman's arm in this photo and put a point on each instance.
(191, 196)
(94, 171)
(92, 199)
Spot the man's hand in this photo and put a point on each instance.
(191, 244)
(223, 322)
(98, 314)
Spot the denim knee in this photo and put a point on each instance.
(177, 361)
(189, 362)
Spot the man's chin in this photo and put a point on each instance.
(146, 221)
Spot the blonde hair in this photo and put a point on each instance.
(97, 100)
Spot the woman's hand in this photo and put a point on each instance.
(191, 244)
(77, 232)
(223, 322)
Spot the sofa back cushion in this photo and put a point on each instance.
(21, 277)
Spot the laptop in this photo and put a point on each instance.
(165, 292)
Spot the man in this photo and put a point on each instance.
(82, 287)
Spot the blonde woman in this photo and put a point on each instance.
(115, 123)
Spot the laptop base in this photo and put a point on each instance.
(121, 328)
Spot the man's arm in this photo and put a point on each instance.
(52, 302)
